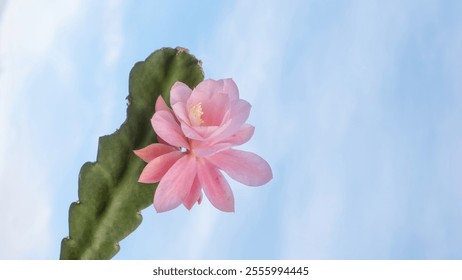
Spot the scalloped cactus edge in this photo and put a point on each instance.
(110, 198)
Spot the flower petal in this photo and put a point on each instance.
(216, 188)
(190, 132)
(230, 87)
(200, 133)
(241, 136)
(199, 200)
(166, 127)
(179, 92)
(214, 109)
(161, 105)
(194, 195)
(153, 151)
(204, 148)
(239, 113)
(156, 169)
(205, 131)
(209, 86)
(204, 91)
(180, 111)
(245, 167)
(175, 185)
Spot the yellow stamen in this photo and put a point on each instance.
(195, 114)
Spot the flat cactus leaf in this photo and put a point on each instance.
(110, 198)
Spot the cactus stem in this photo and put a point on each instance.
(110, 197)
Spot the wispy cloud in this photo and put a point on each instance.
(344, 71)
(26, 50)
(364, 150)
(113, 31)
(112, 89)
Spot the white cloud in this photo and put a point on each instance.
(112, 92)
(344, 70)
(356, 152)
(201, 231)
(249, 45)
(112, 30)
(27, 40)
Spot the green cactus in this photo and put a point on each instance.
(110, 198)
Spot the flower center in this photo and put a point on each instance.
(195, 114)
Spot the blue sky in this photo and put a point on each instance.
(357, 107)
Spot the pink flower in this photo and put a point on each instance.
(196, 138)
